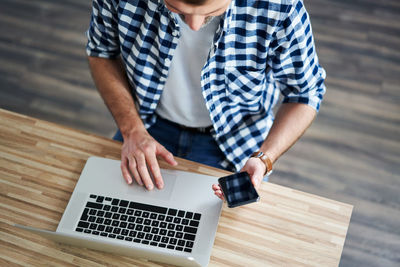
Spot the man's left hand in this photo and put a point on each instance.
(254, 167)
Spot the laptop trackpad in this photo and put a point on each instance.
(164, 194)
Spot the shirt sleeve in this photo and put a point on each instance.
(294, 62)
(103, 30)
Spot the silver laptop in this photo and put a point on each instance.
(175, 225)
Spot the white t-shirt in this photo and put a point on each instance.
(182, 100)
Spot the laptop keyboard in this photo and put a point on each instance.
(139, 223)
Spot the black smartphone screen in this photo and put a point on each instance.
(238, 189)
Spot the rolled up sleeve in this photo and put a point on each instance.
(103, 30)
(294, 61)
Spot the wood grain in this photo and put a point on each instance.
(40, 163)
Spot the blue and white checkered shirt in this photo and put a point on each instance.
(260, 49)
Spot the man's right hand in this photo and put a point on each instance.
(139, 159)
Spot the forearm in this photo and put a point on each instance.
(112, 83)
(290, 123)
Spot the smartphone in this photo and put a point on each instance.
(238, 189)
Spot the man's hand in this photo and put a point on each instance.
(139, 159)
(254, 167)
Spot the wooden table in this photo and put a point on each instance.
(40, 163)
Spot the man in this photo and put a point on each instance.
(200, 78)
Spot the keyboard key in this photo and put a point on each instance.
(145, 242)
(120, 237)
(155, 223)
(161, 217)
(129, 212)
(140, 235)
(194, 223)
(153, 244)
(164, 239)
(147, 222)
(185, 221)
(109, 229)
(92, 196)
(162, 245)
(128, 238)
(108, 198)
(141, 206)
(117, 231)
(189, 229)
(173, 241)
(115, 216)
(123, 224)
(106, 207)
(149, 237)
(112, 236)
(92, 218)
(85, 216)
(124, 232)
(95, 233)
(163, 225)
(139, 220)
(177, 220)
(100, 213)
(179, 248)
(92, 212)
(131, 226)
(101, 228)
(157, 238)
(171, 226)
(115, 202)
(136, 240)
(100, 220)
(131, 219)
(163, 232)
(197, 216)
(153, 216)
(179, 234)
(181, 243)
(139, 227)
(132, 233)
(124, 203)
(181, 213)
(189, 215)
(172, 212)
(87, 231)
(107, 221)
(179, 227)
(171, 233)
(99, 199)
(189, 237)
(122, 210)
(147, 229)
(145, 214)
(171, 247)
(138, 212)
(83, 224)
(169, 219)
(115, 223)
(155, 230)
(103, 234)
(79, 229)
(108, 214)
(188, 250)
(94, 205)
(123, 218)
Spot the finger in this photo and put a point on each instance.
(133, 170)
(155, 170)
(216, 187)
(125, 171)
(143, 171)
(166, 155)
(219, 194)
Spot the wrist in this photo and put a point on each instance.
(266, 160)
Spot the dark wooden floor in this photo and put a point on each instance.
(351, 153)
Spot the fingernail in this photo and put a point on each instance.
(160, 185)
(149, 187)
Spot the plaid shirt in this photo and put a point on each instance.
(261, 49)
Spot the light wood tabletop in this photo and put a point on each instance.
(40, 163)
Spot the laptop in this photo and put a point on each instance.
(175, 225)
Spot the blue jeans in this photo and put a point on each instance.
(187, 144)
